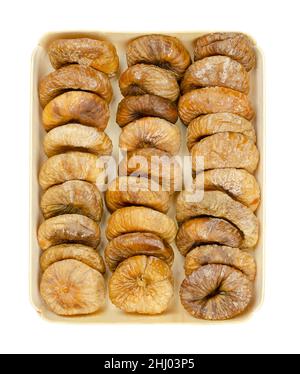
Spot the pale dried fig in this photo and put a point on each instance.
(68, 228)
(149, 79)
(134, 244)
(216, 292)
(235, 45)
(142, 284)
(71, 288)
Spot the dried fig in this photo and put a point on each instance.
(216, 292)
(68, 228)
(78, 252)
(162, 50)
(210, 124)
(226, 150)
(150, 132)
(72, 197)
(216, 254)
(213, 100)
(219, 204)
(131, 108)
(74, 77)
(126, 191)
(72, 288)
(232, 44)
(204, 230)
(134, 244)
(98, 54)
(76, 106)
(149, 79)
(142, 284)
(141, 219)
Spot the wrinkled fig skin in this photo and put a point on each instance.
(216, 254)
(226, 150)
(213, 100)
(143, 285)
(132, 108)
(150, 132)
(214, 71)
(74, 77)
(207, 230)
(216, 292)
(76, 106)
(141, 219)
(68, 228)
(149, 79)
(126, 191)
(162, 50)
(71, 288)
(82, 253)
(219, 204)
(72, 197)
(136, 244)
(232, 44)
(98, 54)
(215, 123)
(75, 137)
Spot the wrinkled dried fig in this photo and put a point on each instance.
(150, 132)
(74, 77)
(141, 219)
(72, 197)
(135, 244)
(131, 108)
(76, 106)
(98, 54)
(72, 288)
(142, 284)
(213, 100)
(68, 228)
(162, 50)
(149, 79)
(232, 44)
(204, 230)
(216, 292)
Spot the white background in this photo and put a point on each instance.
(275, 26)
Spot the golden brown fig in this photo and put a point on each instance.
(78, 252)
(142, 284)
(141, 219)
(75, 137)
(211, 124)
(216, 292)
(126, 191)
(71, 288)
(232, 44)
(70, 166)
(216, 254)
(134, 244)
(68, 228)
(216, 71)
(162, 50)
(203, 230)
(149, 79)
(226, 150)
(72, 197)
(98, 54)
(219, 204)
(131, 108)
(76, 106)
(150, 132)
(213, 100)
(74, 77)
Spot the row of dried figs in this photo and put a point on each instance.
(75, 100)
